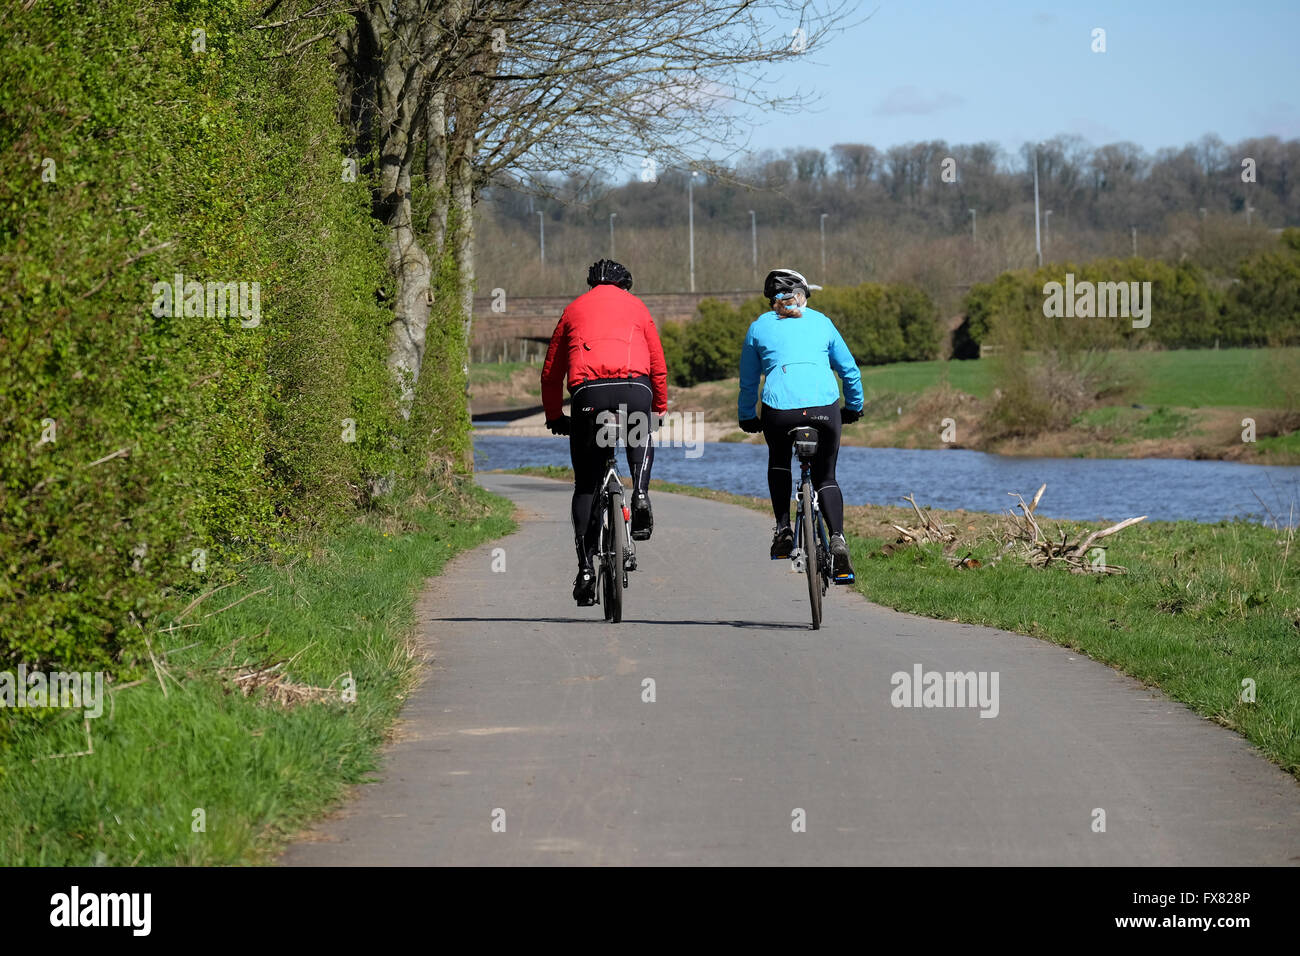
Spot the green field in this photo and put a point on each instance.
(1190, 378)
(484, 373)
(185, 739)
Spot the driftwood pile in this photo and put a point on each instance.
(1022, 534)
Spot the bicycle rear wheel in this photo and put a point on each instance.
(613, 559)
(811, 556)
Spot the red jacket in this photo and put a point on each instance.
(606, 333)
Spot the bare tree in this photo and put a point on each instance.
(458, 92)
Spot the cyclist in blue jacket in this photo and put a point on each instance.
(799, 351)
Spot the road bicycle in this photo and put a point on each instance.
(615, 554)
(812, 549)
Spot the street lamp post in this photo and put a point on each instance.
(822, 223)
(1038, 239)
(541, 225)
(753, 241)
(972, 225)
(612, 217)
(690, 206)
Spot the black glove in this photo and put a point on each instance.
(849, 415)
(559, 426)
(752, 425)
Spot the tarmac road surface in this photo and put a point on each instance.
(531, 741)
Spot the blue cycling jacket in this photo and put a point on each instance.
(797, 355)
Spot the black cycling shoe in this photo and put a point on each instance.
(840, 564)
(584, 587)
(643, 519)
(782, 542)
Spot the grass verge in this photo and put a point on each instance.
(1203, 607)
(258, 767)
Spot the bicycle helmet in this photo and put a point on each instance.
(609, 272)
(781, 281)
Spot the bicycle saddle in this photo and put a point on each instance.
(805, 441)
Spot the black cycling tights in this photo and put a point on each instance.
(591, 398)
(777, 423)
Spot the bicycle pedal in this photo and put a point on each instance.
(844, 578)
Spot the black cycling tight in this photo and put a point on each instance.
(777, 423)
(633, 396)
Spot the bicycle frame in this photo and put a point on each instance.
(819, 526)
(611, 568)
(612, 482)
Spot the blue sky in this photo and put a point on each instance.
(1015, 71)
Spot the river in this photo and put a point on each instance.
(1082, 489)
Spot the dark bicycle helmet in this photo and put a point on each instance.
(609, 272)
(781, 281)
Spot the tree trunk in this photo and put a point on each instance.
(435, 169)
(383, 57)
(462, 242)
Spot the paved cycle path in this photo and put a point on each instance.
(532, 717)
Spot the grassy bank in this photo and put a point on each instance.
(260, 766)
(1202, 608)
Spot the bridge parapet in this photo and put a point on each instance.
(534, 317)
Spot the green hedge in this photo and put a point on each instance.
(1189, 309)
(223, 165)
(1264, 307)
(880, 323)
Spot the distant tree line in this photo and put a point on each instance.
(892, 216)
(1097, 187)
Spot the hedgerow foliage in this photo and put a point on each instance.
(171, 434)
(1258, 306)
(880, 323)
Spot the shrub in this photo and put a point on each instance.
(172, 434)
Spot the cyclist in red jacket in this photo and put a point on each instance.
(607, 345)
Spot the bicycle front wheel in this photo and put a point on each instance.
(614, 559)
(810, 555)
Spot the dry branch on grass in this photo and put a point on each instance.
(272, 680)
(1022, 534)
(928, 529)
